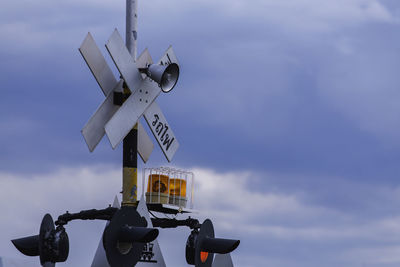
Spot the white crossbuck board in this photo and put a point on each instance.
(144, 92)
(117, 121)
(161, 131)
(94, 131)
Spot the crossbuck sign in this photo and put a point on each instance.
(117, 121)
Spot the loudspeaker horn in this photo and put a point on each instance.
(165, 75)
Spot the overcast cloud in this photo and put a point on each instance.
(290, 106)
(271, 224)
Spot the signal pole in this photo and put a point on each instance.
(129, 154)
(131, 26)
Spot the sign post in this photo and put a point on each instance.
(129, 154)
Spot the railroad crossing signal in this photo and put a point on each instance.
(145, 81)
(130, 235)
(202, 244)
(51, 244)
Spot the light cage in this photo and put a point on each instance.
(169, 186)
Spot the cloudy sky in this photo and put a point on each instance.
(287, 111)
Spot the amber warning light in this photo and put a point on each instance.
(169, 186)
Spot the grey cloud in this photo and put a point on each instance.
(302, 96)
(248, 86)
(361, 82)
(270, 224)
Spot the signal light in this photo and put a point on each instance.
(203, 256)
(51, 245)
(125, 237)
(201, 245)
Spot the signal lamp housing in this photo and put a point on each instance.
(125, 237)
(201, 245)
(51, 245)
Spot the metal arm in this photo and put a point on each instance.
(173, 223)
(93, 214)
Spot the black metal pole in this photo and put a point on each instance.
(129, 164)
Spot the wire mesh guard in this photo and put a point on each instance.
(168, 186)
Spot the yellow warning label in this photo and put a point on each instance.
(129, 186)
